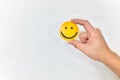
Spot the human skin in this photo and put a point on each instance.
(93, 44)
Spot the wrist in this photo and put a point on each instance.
(108, 56)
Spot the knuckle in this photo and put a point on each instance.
(98, 31)
(86, 21)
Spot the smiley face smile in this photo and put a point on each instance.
(69, 37)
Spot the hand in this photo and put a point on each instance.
(91, 42)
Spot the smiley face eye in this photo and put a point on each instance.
(71, 27)
(65, 27)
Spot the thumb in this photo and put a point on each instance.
(77, 44)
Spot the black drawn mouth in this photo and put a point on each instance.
(69, 37)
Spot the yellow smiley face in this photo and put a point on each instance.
(68, 31)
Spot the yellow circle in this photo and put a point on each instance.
(68, 31)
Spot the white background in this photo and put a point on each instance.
(30, 46)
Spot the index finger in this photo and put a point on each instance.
(88, 27)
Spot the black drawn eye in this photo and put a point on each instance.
(71, 27)
(65, 27)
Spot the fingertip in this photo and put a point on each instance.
(71, 42)
(71, 19)
(74, 42)
(74, 20)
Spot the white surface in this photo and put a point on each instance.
(31, 49)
